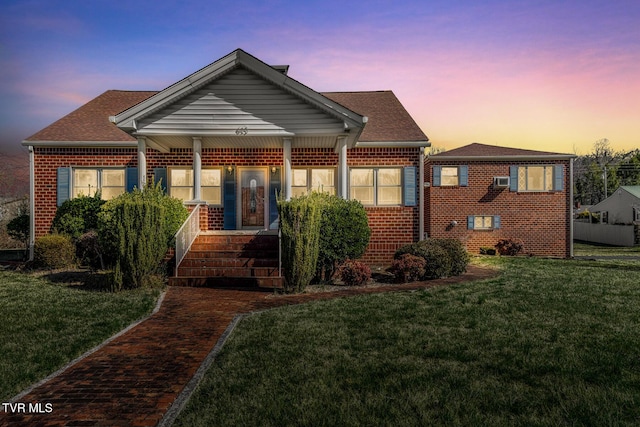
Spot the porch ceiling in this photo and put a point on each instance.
(186, 141)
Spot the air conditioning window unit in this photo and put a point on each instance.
(500, 181)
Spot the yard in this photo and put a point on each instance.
(549, 342)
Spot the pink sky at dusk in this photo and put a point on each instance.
(535, 74)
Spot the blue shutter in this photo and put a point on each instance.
(463, 175)
(513, 178)
(63, 185)
(558, 178)
(436, 176)
(229, 200)
(496, 221)
(470, 222)
(410, 186)
(131, 179)
(160, 176)
(275, 187)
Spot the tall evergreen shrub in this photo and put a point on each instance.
(300, 229)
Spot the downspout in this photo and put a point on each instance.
(571, 208)
(32, 199)
(421, 196)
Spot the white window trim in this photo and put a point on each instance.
(220, 168)
(375, 184)
(309, 185)
(457, 175)
(544, 175)
(99, 170)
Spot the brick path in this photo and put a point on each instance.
(134, 379)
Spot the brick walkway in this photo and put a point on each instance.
(134, 379)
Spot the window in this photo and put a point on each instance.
(483, 222)
(450, 176)
(87, 182)
(316, 179)
(636, 214)
(379, 187)
(537, 178)
(181, 184)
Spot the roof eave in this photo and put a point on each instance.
(81, 144)
(520, 158)
(392, 144)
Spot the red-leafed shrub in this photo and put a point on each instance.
(510, 247)
(408, 268)
(355, 273)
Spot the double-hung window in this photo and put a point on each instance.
(376, 186)
(532, 178)
(110, 182)
(483, 222)
(451, 176)
(313, 179)
(181, 184)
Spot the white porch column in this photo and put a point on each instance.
(142, 163)
(343, 172)
(197, 167)
(286, 158)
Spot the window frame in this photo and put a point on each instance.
(495, 222)
(99, 180)
(555, 177)
(462, 175)
(309, 179)
(170, 185)
(376, 186)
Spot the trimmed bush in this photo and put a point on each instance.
(355, 273)
(459, 256)
(54, 251)
(408, 268)
(77, 216)
(18, 228)
(510, 247)
(438, 261)
(300, 230)
(88, 250)
(345, 233)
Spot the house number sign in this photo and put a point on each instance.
(242, 131)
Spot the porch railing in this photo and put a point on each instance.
(186, 235)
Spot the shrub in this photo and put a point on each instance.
(487, 251)
(77, 216)
(54, 251)
(345, 232)
(438, 261)
(408, 268)
(457, 252)
(88, 250)
(300, 230)
(140, 238)
(355, 273)
(509, 247)
(19, 229)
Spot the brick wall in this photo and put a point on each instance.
(391, 227)
(539, 219)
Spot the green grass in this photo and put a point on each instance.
(587, 249)
(547, 343)
(45, 325)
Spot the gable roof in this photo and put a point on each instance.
(481, 152)
(90, 122)
(388, 120)
(634, 190)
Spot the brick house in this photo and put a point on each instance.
(482, 193)
(226, 139)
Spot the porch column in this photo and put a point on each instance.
(197, 167)
(142, 162)
(343, 172)
(286, 154)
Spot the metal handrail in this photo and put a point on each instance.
(186, 235)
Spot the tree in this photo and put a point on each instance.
(18, 229)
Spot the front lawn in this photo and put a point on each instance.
(591, 249)
(549, 342)
(44, 325)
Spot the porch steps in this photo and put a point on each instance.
(231, 259)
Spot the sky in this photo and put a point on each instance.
(550, 75)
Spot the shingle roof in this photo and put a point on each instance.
(477, 150)
(633, 189)
(388, 119)
(91, 122)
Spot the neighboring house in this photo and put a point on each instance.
(617, 219)
(231, 136)
(482, 193)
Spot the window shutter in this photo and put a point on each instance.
(160, 176)
(463, 175)
(513, 178)
(470, 222)
(229, 200)
(496, 221)
(63, 186)
(436, 176)
(275, 187)
(558, 177)
(131, 177)
(410, 186)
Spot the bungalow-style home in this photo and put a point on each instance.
(482, 193)
(618, 219)
(227, 139)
